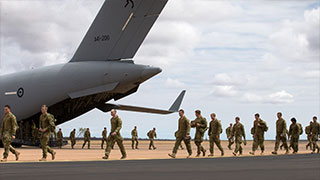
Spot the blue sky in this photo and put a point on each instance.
(234, 58)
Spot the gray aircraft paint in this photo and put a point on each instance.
(100, 70)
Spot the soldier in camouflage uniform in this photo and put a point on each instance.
(281, 134)
(257, 131)
(135, 142)
(295, 130)
(73, 138)
(200, 123)
(104, 137)
(238, 132)
(152, 134)
(115, 136)
(183, 134)
(8, 130)
(229, 136)
(215, 129)
(308, 133)
(87, 137)
(46, 126)
(60, 138)
(315, 132)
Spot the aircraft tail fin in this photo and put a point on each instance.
(174, 108)
(119, 30)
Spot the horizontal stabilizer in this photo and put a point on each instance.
(119, 30)
(174, 108)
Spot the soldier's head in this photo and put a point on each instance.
(7, 109)
(198, 113)
(314, 118)
(135, 127)
(310, 122)
(279, 115)
(230, 124)
(181, 112)
(237, 119)
(113, 112)
(104, 128)
(44, 109)
(74, 129)
(154, 129)
(213, 116)
(59, 129)
(257, 116)
(293, 120)
(88, 129)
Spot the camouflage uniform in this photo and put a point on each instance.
(134, 134)
(73, 138)
(7, 130)
(198, 139)
(59, 138)
(315, 131)
(294, 133)
(308, 133)
(182, 135)
(47, 123)
(258, 129)
(152, 134)
(87, 137)
(116, 125)
(104, 138)
(238, 132)
(229, 136)
(215, 129)
(281, 131)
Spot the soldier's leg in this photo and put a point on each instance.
(255, 143)
(119, 141)
(137, 143)
(102, 143)
(132, 143)
(44, 143)
(6, 145)
(187, 142)
(218, 143)
(176, 145)
(236, 150)
(89, 144)
(110, 142)
(314, 143)
(150, 144)
(276, 146)
(211, 145)
(84, 143)
(198, 144)
(262, 144)
(285, 144)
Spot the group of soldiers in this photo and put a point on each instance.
(235, 133)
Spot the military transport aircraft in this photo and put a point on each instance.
(100, 70)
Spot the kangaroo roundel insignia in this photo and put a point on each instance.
(20, 92)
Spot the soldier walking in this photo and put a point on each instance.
(183, 134)
(200, 123)
(115, 136)
(60, 138)
(281, 131)
(238, 132)
(104, 137)
(8, 130)
(87, 137)
(308, 133)
(152, 135)
(46, 126)
(229, 136)
(135, 142)
(315, 132)
(215, 129)
(257, 131)
(73, 138)
(295, 130)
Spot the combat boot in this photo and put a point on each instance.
(123, 157)
(105, 157)
(53, 155)
(4, 160)
(198, 155)
(172, 155)
(189, 156)
(222, 153)
(252, 153)
(17, 156)
(210, 155)
(43, 159)
(204, 152)
(274, 152)
(287, 152)
(235, 154)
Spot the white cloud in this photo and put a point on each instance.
(281, 97)
(224, 91)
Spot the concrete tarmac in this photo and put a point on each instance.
(290, 167)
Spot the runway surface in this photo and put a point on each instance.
(303, 166)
